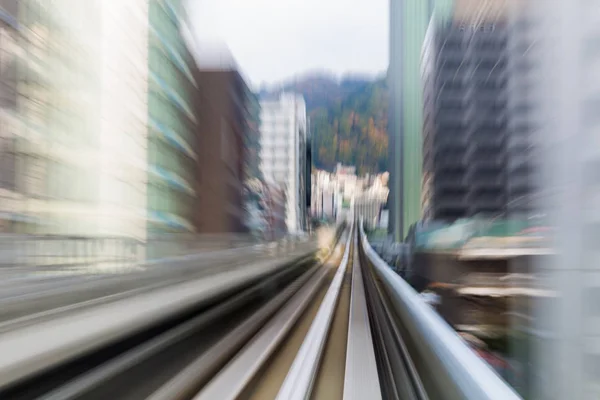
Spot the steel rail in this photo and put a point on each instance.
(102, 374)
(185, 384)
(301, 376)
(188, 382)
(234, 378)
(35, 348)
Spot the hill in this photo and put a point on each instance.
(348, 119)
(320, 89)
(353, 130)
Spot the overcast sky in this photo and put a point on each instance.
(272, 40)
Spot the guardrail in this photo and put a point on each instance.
(448, 368)
(76, 251)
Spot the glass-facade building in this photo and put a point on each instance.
(172, 155)
(409, 20)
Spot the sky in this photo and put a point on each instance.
(273, 40)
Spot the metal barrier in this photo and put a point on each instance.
(68, 251)
(448, 368)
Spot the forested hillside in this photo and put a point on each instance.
(348, 120)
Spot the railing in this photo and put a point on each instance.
(448, 368)
(64, 251)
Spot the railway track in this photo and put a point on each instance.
(318, 329)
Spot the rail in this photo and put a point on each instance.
(446, 365)
(299, 382)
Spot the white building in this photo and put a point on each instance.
(83, 117)
(283, 152)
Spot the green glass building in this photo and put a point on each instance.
(171, 122)
(409, 21)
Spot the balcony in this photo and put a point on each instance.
(452, 95)
(480, 182)
(445, 138)
(487, 202)
(495, 97)
(445, 161)
(449, 147)
(445, 203)
(451, 118)
(445, 181)
(490, 44)
(452, 53)
(458, 105)
(486, 139)
(487, 55)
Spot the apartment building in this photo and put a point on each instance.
(465, 126)
(478, 133)
(283, 155)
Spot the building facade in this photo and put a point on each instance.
(222, 123)
(409, 20)
(172, 122)
(9, 39)
(465, 131)
(82, 117)
(283, 154)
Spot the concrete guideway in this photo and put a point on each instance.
(31, 349)
(34, 300)
(338, 325)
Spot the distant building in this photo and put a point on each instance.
(335, 193)
(341, 169)
(274, 206)
(283, 130)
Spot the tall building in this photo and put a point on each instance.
(409, 20)
(408, 26)
(172, 122)
(283, 130)
(478, 129)
(465, 132)
(523, 161)
(221, 106)
(82, 117)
